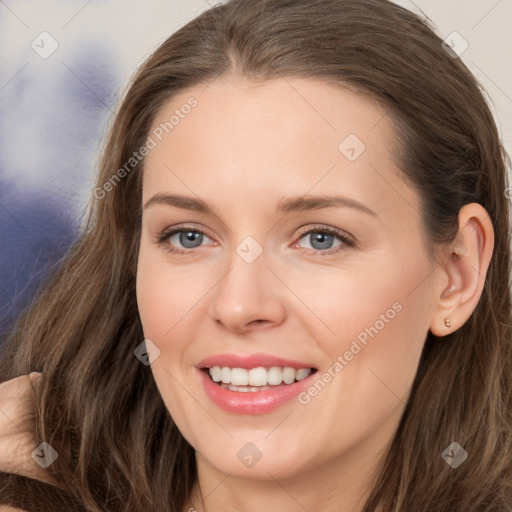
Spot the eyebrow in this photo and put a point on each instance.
(285, 205)
(304, 203)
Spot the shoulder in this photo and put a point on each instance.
(7, 508)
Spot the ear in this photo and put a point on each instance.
(463, 267)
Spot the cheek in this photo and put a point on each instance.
(371, 357)
(373, 324)
(166, 294)
(164, 297)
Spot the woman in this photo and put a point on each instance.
(292, 292)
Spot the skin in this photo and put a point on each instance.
(244, 148)
(17, 439)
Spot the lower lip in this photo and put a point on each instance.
(252, 402)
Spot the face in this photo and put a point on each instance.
(279, 241)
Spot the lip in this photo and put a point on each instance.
(251, 402)
(250, 361)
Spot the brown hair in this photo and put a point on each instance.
(99, 406)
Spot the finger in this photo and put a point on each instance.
(35, 379)
(17, 402)
(35, 376)
(19, 387)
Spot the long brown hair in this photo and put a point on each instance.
(99, 407)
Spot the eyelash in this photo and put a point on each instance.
(346, 241)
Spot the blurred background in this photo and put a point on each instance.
(64, 65)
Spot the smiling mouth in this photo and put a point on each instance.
(256, 379)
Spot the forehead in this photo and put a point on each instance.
(276, 138)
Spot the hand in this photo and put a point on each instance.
(17, 428)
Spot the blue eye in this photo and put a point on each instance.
(320, 241)
(182, 240)
(323, 240)
(188, 239)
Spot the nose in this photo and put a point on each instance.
(248, 297)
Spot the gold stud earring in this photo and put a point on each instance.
(447, 323)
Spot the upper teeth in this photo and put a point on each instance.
(261, 376)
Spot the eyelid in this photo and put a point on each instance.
(170, 230)
(322, 228)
